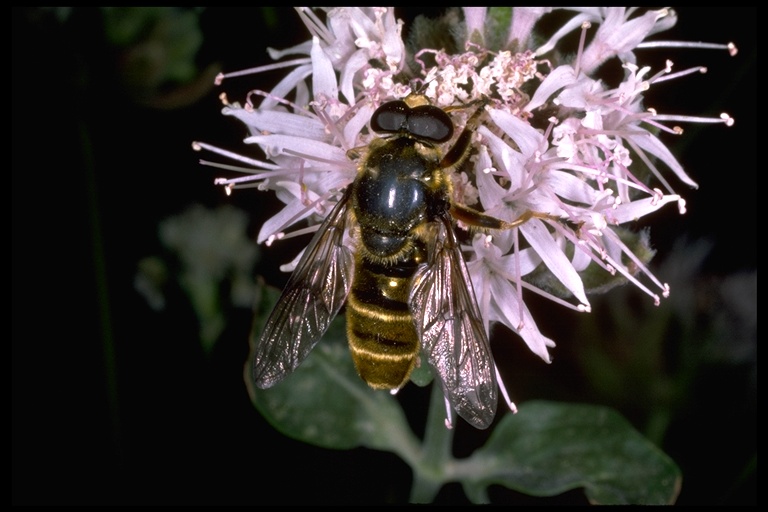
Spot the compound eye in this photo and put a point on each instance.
(430, 123)
(391, 117)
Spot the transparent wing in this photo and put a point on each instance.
(313, 296)
(452, 333)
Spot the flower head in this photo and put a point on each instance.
(554, 138)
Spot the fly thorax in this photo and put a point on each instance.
(391, 197)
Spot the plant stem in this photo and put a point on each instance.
(430, 474)
(102, 292)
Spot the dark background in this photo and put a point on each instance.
(113, 403)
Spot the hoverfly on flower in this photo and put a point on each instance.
(404, 278)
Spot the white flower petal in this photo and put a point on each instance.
(527, 138)
(665, 22)
(528, 261)
(474, 18)
(491, 193)
(581, 260)
(355, 63)
(392, 41)
(654, 146)
(278, 144)
(283, 89)
(553, 257)
(617, 36)
(293, 212)
(560, 77)
(523, 21)
(323, 74)
(274, 121)
(507, 310)
(630, 212)
(355, 125)
(567, 28)
(571, 188)
(581, 94)
(300, 49)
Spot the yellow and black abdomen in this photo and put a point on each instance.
(398, 191)
(380, 328)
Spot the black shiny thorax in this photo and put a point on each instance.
(400, 187)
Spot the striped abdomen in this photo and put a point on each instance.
(380, 328)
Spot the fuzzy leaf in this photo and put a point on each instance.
(550, 448)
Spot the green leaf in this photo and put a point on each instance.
(497, 23)
(548, 448)
(422, 375)
(325, 403)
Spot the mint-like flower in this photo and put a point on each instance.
(555, 138)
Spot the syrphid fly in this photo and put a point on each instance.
(404, 279)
